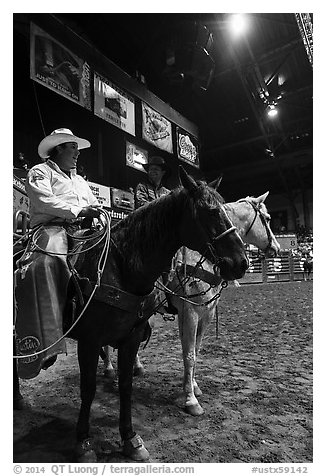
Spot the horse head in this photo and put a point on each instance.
(259, 232)
(253, 223)
(207, 228)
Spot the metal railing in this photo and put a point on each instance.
(285, 267)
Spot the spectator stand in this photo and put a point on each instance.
(287, 266)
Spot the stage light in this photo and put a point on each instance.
(238, 23)
(271, 110)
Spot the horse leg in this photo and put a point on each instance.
(138, 367)
(109, 371)
(205, 318)
(132, 444)
(188, 321)
(88, 354)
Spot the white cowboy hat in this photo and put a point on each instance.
(57, 137)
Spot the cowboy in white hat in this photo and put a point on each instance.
(59, 200)
(151, 189)
(55, 190)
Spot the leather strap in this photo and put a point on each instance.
(116, 297)
(200, 273)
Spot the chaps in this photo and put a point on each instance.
(40, 294)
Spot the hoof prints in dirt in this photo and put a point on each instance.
(256, 380)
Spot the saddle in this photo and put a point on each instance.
(81, 287)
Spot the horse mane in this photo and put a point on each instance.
(209, 197)
(139, 232)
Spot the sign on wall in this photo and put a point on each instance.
(287, 241)
(113, 105)
(187, 147)
(102, 193)
(20, 199)
(57, 68)
(136, 157)
(156, 128)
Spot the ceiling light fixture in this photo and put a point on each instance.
(238, 23)
(271, 110)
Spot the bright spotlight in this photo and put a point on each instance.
(238, 23)
(271, 110)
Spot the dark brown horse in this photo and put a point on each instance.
(141, 248)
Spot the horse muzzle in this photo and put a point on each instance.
(272, 251)
(231, 269)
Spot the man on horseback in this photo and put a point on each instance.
(150, 190)
(153, 187)
(59, 201)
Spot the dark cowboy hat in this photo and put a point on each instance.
(156, 160)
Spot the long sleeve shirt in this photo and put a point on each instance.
(147, 192)
(53, 194)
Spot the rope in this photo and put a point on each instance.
(72, 253)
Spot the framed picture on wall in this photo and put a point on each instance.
(113, 104)
(53, 65)
(156, 129)
(187, 147)
(136, 157)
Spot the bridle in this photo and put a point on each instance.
(262, 217)
(210, 242)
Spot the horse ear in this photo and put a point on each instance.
(216, 183)
(261, 198)
(186, 180)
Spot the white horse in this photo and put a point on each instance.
(193, 290)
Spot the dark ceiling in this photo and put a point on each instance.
(222, 84)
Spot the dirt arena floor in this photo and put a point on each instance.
(256, 380)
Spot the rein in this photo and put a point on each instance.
(224, 284)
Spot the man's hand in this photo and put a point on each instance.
(90, 212)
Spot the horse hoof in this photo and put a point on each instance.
(139, 371)
(135, 449)
(109, 374)
(85, 452)
(194, 409)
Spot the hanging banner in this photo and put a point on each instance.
(136, 157)
(113, 105)
(156, 129)
(57, 68)
(187, 147)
